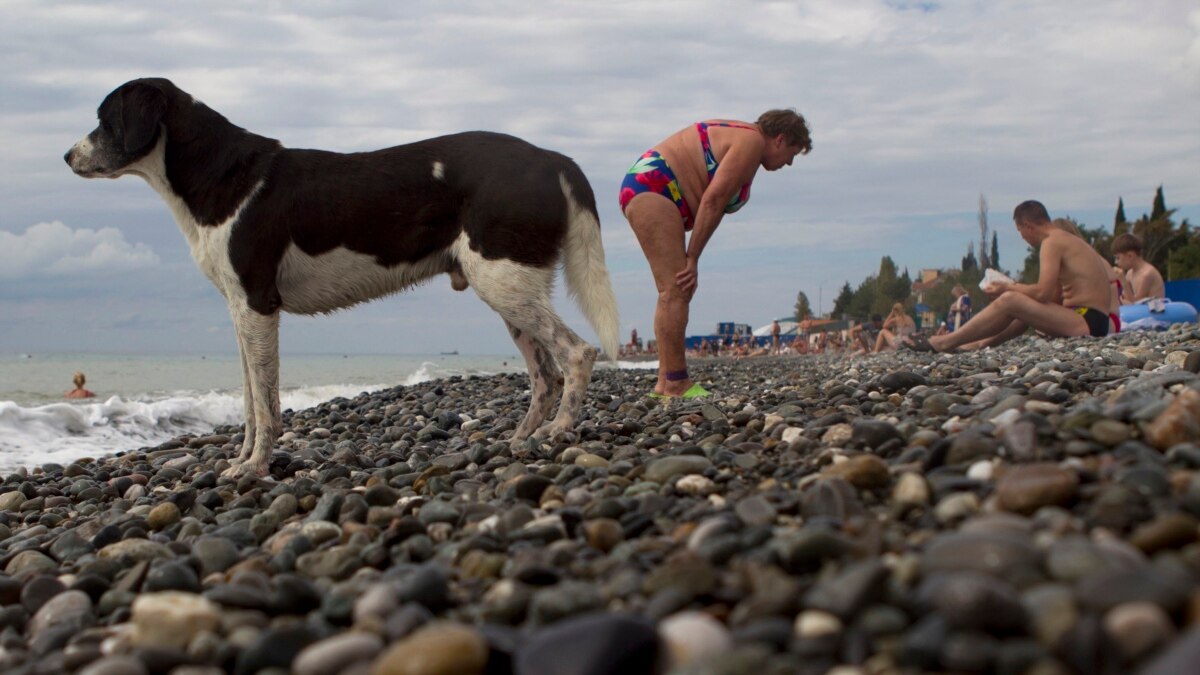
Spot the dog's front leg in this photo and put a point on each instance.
(259, 341)
(247, 395)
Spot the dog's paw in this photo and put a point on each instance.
(246, 468)
(553, 432)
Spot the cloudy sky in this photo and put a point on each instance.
(916, 109)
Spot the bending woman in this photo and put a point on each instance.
(687, 183)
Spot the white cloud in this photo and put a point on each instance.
(53, 250)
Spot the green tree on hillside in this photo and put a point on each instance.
(803, 309)
(1120, 216)
(1159, 209)
(995, 257)
(1184, 262)
(863, 300)
(841, 304)
(968, 261)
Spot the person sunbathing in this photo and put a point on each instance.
(1069, 299)
(1142, 280)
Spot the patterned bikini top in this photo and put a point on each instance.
(710, 161)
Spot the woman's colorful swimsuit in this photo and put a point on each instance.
(651, 173)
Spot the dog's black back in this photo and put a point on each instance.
(399, 205)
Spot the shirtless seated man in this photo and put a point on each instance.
(1068, 300)
(1142, 280)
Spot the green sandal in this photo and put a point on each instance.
(696, 391)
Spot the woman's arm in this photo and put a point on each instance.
(736, 169)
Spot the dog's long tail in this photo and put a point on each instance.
(586, 273)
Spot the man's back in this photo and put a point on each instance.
(1082, 274)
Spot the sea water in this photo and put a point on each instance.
(144, 400)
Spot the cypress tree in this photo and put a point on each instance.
(1120, 217)
(1160, 205)
(995, 261)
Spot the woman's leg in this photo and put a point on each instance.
(659, 229)
(884, 340)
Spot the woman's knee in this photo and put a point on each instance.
(673, 295)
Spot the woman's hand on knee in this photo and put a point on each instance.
(688, 279)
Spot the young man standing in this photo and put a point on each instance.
(1068, 300)
(1142, 280)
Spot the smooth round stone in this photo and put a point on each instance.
(439, 511)
(911, 490)
(338, 562)
(814, 623)
(136, 550)
(872, 433)
(38, 590)
(378, 600)
(1192, 362)
(117, 664)
(1138, 628)
(590, 644)
(589, 461)
(275, 647)
(603, 534)
(1169, 530)
(30, 561)
(1102, 591)
(664, 468)
(970, 446)
(1004, 555)
(1179, 423)
(320, 531)
(1075, 557)
(216, 554)
(857, 585)
(1026, 488)
(955, 507)
(866, 472)
(975, 601)
(529, 487)
(837, 435)
(172, 576)
(335, 654)
(696, 485)
(69, 610)
(899, 380)
(163, 516)
(693, 637)
(755, 511)
(11, 501)
(1053, 610)
(439, 648)
(172, 619)
(1111, 432)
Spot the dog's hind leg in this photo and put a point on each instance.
(521, 295)
(545, 381)
(576, 357)
(258, 338)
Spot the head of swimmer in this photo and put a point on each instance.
(787, 135)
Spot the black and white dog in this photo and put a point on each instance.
(309, 231)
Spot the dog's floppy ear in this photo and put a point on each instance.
(142, 109)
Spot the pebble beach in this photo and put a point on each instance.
(1033, 508)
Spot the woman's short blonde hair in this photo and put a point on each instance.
(79, 380)
(788, 123)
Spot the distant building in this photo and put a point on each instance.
(929, 279)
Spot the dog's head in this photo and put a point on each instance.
(131, 119)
